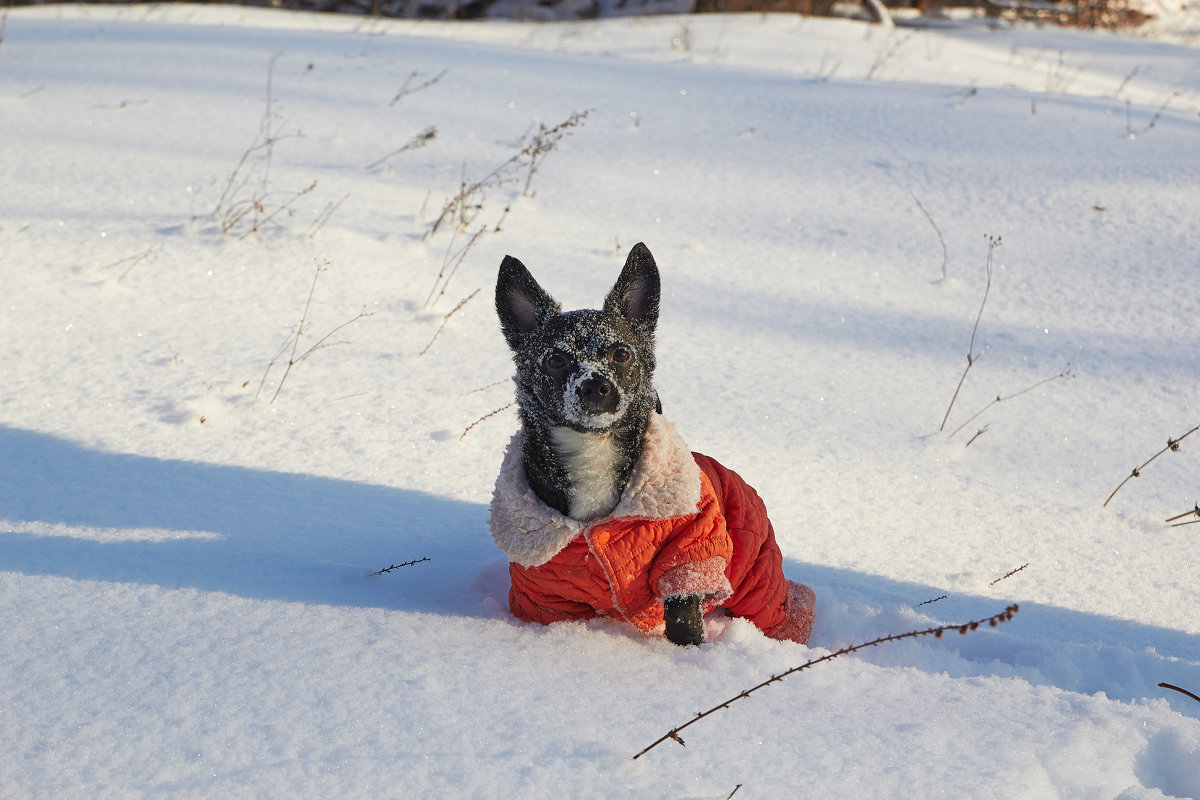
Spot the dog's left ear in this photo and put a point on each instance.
(635, 294)
(522, 305)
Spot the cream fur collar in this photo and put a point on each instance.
(665, 483)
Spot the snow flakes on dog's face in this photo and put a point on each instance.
(583, 369)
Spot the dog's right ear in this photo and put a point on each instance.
(635, 295)
(522, 305)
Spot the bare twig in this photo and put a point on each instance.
(489, 386)
(1158, 114)
(936, 229)
(1181, 691)
(1066, 373)
(1172, 445)
(419, 140)
(131, 261)
(406, 88)
(1008, 574)
(992, 621)
(446, 319)
(885, 55)
(259, 207)
(1195, 512)
(933, 600)
(993, 243)
(1125, 81)
(1153, 120)
(465, 205)
(543, 142)
(450, 264)
(485, 416)
(323, 217)
(293, 341)
(978, 433)
(398, 566)
(241, 198)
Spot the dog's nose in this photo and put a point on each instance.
(598, 394)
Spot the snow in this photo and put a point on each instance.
(185, 586)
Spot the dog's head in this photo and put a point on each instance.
(587, 370)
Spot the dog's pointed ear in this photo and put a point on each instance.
(635, 294)
(523, 306)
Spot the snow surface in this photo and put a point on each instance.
(184, 563)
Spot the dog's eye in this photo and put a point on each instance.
(620, 354)
(555, 361)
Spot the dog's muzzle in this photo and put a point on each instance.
(597, 395)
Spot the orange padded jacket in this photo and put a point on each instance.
(685, 524)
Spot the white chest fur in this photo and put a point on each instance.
(591, 462)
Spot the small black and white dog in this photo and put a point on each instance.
(600, 506)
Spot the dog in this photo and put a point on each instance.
(600, 506)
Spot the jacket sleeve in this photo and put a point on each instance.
(695, 559)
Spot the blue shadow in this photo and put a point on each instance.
(247, 532)
(1043, 644)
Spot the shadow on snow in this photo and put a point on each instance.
(90, 515)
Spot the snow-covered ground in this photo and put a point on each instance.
(187, 527)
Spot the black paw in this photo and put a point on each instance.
(685, 623)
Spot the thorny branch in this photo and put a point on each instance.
(993, 243)
(1172, 445)
(1009, 574)
(485, 416)
(398, 566)
(992, 621)
(993, 583)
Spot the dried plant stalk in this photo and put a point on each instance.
(992, 621)
(993, 243)
(1172, 445)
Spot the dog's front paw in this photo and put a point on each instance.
(685, 622)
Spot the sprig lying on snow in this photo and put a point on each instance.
(398, 566)
(992, 621)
